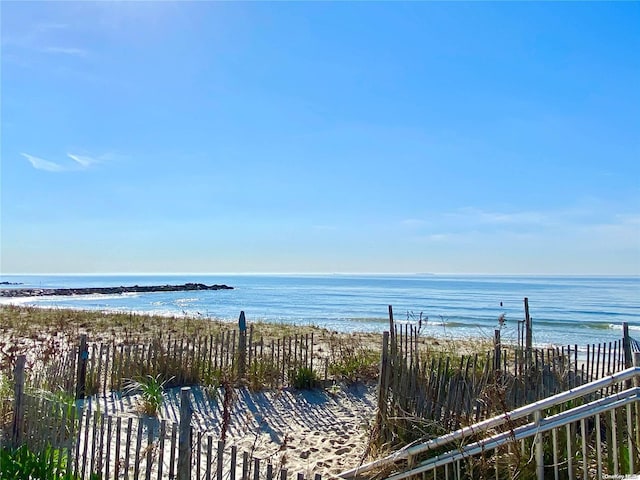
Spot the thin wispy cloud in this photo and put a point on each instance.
(569, 225)
(44, 38)
(413, 222)
(622, 230)
(42, 164)
(80, 162)
(628, 218)
(466, 222)
(83, 161)
(478, 218)
(440, 237)
(73, 51)
(483, 217)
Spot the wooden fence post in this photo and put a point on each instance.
(497, 350)
(528, 354)
(528, 333)
(83, 357)
(18, 401)
(220, 460)
(383, 386)
(392, 337)
(184, 435)
(242, 345)
(626, 345)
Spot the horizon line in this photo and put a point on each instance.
(425, 274)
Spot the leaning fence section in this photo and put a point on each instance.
(592, 431)
(423, 394)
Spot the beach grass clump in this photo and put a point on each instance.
(352, 358)
(151, 390)
(304, 378)
(362, 365)
(261, 374)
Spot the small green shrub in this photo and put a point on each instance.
(262, 374)
(304, 378)
(151, 390)
(23, 464)
(6, 398)
(6, 386)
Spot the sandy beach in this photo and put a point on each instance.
(307, 431)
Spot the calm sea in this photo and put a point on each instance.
(565, 310)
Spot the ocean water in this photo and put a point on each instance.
(565, 310)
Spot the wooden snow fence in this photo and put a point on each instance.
(233, 355)
(98, 445)
(90, 443)
(586, 432)
(204, 360)
(421, 394)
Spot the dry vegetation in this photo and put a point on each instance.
(25, 329)
(42, 332)
(37, 324)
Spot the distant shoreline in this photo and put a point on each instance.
(42, 292)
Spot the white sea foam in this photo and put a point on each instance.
(618, 326)
(186, 301)
(62, 298)
(15, 300)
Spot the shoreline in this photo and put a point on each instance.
(445, 338)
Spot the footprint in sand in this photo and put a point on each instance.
(342, 451)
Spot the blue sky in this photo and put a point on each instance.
(320, 137)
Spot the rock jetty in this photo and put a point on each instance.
(41, 292)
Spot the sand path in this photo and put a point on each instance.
(310, 432)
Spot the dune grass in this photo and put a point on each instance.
(43, 333)
(37, 323)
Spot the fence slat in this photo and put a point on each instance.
(184, 441)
